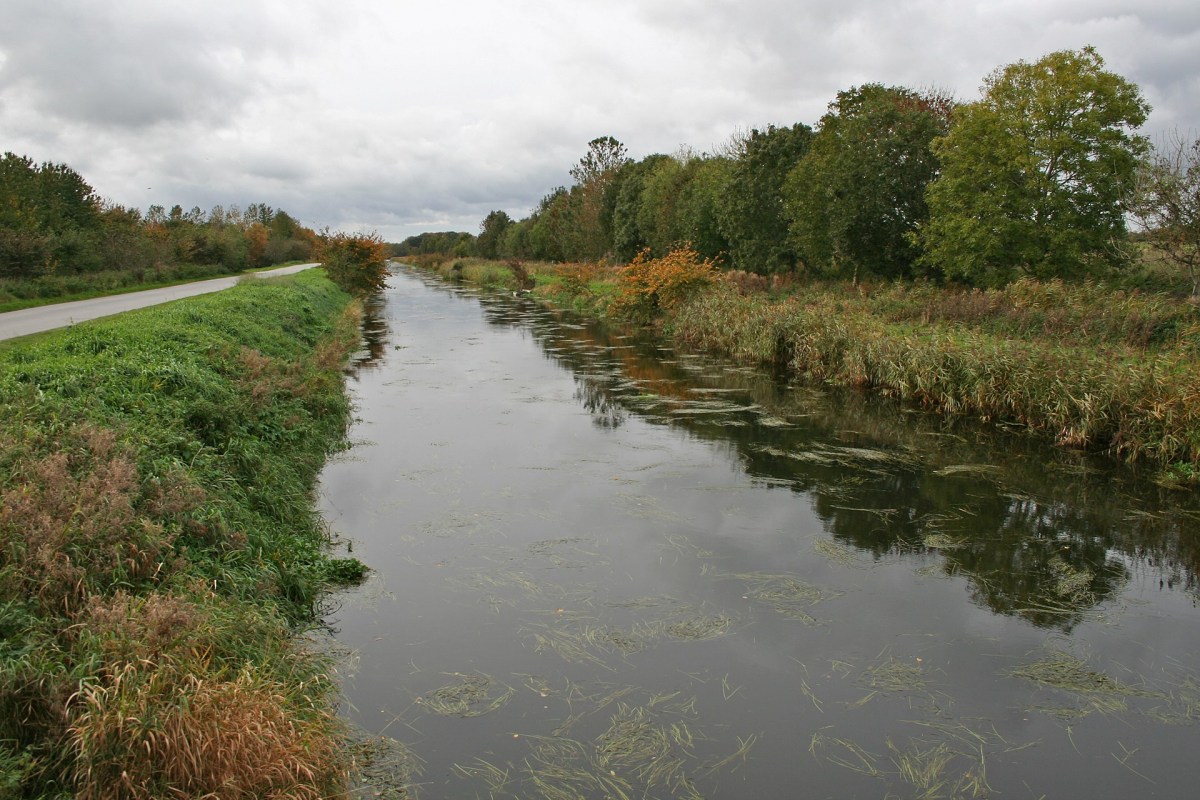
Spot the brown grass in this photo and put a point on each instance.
(79, 519)
(158, 732)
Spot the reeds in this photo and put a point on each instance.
(1129, 390)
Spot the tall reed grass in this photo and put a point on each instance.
(1128, 383)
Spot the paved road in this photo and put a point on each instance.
(60, 315)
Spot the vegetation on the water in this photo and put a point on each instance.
(159, 552)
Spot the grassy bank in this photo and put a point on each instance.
(159, 551)
(1086, 365)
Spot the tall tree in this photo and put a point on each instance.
(491, 233)
(1037, 176)
(858, 195)
(592, 197)
(752, 213)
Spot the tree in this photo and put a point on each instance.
(857, 196)
(1167, 206)
(605, 155)
(627, 238)
(752, 213)
(592, 200)
(491, 234)
(698, 206)
(1037, 176)
(49, 218)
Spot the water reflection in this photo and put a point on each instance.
(583, 541)
(1038, 533)
(375, 334)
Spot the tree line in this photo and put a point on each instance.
(1038, 178)
(53, 223)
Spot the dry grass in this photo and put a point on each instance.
(155, 732)
(79, 519)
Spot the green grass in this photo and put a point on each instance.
(159, 550)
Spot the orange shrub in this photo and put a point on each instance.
(648, 286)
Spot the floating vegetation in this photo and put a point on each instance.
(836, 552)
(648, 507)
(643, 602)
(1072, 584)
(892, 675)
(635, 745)
(584, 643)
(504, 580)
(943, 541)
(551, 549)
(969, 470)
(644, 751)
(382, 768)
(577, 644)
(473, 696)
(946, 759)
(700, 628)
(1093, 690)
(789, 596)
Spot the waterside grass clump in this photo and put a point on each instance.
(1085, 364)
(159, 551)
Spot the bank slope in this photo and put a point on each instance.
(159, 551)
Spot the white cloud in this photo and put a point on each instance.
(412, 116)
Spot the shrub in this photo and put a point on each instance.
(649, 286)
(357, 263)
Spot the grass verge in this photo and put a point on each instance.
(159, 551)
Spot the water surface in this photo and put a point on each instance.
(602, 568)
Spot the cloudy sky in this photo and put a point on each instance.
(402, 116)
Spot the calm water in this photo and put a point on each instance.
(606, 569)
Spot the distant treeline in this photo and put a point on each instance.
(53, 223)
(1036, 179)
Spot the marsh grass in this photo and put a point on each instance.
(1123, 386)
(159, 549)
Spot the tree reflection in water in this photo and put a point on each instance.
(1040, 533)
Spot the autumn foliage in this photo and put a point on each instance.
(647, 286)
(357, 263)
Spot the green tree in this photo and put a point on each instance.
(49, 219)
(491, 234)
(1037, 176)
(858, 195)
(698, 207)
(752, 213)
(628, 239)
(657, 218)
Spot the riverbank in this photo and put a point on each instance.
(161, 554)
(1084, 365)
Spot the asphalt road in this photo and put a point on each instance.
(44, 318)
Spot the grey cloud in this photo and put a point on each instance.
(131, 65)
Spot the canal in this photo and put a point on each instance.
(605, 569)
